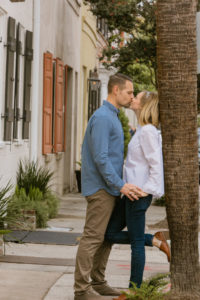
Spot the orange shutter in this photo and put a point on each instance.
(65, 113)
(58, 132)
(47, 103)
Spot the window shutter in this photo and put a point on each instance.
(17, 79)
(27, 83)
(9, 93)
(47, 103)
(65, 110)
(58, 129)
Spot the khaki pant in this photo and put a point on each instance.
(93, 251)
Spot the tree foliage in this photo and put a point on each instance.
(127, 137)
(136, 54)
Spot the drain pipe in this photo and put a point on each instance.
(35, 81)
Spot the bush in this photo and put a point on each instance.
(149, 290)
(125, 121)
(30, 175)
(45, 206)
(160, 201)
(52, 203)
(33, 193)
(4, 202)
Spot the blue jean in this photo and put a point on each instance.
(131, 214)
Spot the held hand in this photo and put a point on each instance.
(131, 191)
(144, 194)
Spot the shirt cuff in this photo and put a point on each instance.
(120, 185)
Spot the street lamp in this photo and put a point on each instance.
(94, 81)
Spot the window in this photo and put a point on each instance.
(17, 83)
(94, 93)
(102, 26)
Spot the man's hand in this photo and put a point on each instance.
(132, 191)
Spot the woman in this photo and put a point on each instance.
(143, 168)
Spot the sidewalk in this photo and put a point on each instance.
(40, 271)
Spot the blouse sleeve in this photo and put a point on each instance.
(152, 148)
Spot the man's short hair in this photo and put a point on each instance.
(118, 79)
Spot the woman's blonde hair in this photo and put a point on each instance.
(150, 109)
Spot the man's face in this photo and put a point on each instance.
(125, 96)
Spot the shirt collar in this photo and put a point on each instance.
(110, 106)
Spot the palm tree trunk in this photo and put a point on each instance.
(177, 85)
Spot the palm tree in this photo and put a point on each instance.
(177, 76)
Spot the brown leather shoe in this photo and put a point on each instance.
(88, 295)
(164, 247)
(105, 290)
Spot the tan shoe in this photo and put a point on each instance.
(164, 247)
(105, 290)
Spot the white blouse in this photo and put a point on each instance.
(144, 163)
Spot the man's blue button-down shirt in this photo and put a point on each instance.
(103, 152)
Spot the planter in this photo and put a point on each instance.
(27, 221)
(78, 179)
(1, 245)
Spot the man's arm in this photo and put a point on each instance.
(101, 128)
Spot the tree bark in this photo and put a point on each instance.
(177, 86)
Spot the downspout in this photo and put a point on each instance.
(35, 81)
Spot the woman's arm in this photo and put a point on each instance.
(152, 148)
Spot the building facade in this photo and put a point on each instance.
(16, 29)
(51, 81)
(39, 86)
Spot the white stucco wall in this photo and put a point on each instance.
(60, 35)
(11, 152)
(60, 24)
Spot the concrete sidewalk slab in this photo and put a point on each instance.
(21, 285)
(46, 272)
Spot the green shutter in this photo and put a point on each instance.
(9, 92)
(27, 84)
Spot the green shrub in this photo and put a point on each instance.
(198, 121)
(160, 201)
(125, 121)
(30, 175)
(149, 290)
(42, 216)
(4, 202)
(44, 205)
(52, 203)
(33, 193)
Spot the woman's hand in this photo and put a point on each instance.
(131, 191)
(144, 194)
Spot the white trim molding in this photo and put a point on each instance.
(75, 4)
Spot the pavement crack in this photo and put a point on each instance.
(48, 290)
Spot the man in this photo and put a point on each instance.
(102, 163)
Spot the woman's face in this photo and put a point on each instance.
(136, 102)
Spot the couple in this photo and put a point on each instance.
(107, 214)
